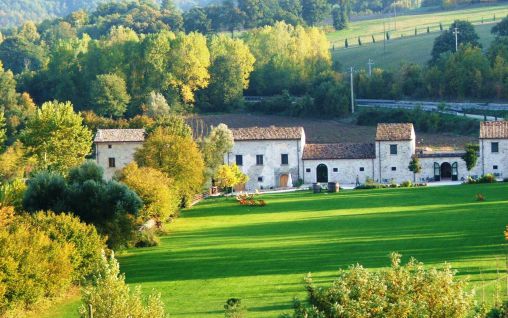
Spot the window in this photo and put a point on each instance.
(112, 163)
(494, 147)
(335, 169)
(110, 146)
(393, 149)
(307, 170)
(495, 167)
(259, 160)
(394, 168)
(260, 179)
(239, 160)
(284, 159)
(362, 169)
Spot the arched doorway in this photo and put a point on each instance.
(446, 171)
(283, 181)
(322, 173)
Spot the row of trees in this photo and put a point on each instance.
(125, 73)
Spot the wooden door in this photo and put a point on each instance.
(283, 182)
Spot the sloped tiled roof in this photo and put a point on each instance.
(120, 135)
(339, 151)
(268, 133)
(394, 132)
(494, 130)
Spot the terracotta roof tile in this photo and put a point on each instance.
(494, 130)
(120, 135)
(268, 133)
(394, 132)
(339, 151)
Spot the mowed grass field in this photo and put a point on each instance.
(403, 50)
(406, 23)
(218, 249)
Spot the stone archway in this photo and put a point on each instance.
(322, 173)
(446, 171)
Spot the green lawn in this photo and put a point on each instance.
(405, 50)
(219, 249)
(407, 23)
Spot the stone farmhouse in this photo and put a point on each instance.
(279, 157)
(115, 148)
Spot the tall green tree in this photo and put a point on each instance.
(231, 66)
(109, 95)
(415, 166)
(501, 28)
(471, 155)
(446, 41)
(196, 20)
(178, 157)
(56, 138)
(218, 143)
(314, 11)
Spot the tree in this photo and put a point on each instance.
(501, 28)
(111, 206)
(340, 14)
(408, 290)
(18, 54)
(219, 142)
(314, 11)
(446, 41)
(229, 176)
(156, 105)
(178, 157)
(8, 95)
(158, 191)
(56, 138)
(110, 297)
(415, 166)
(3, 130)
(231, 66)
(109, 95)
(471, 156)
(196, 20)
(13, 163)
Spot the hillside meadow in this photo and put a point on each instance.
(219, 249)
(399, 50)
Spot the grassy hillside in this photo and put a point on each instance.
(402, 50)
(219, 249)
(407, 23)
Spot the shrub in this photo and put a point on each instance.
(480, 197)
(488, 178)
(158, 191)
(65, 228)
(406, 184)
(146, 238)
(233, 308)
(110, 297)
(408, 290)
(32, 267)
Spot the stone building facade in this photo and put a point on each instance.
(279, 157)
(115, 148)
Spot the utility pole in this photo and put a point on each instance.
(456, 33)
(370, 63)
(352, 94)
(384, 37)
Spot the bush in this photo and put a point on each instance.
(110, 297)
(32, 267)
(408, 290)
(406, 184)
(234, 309)
(488, 178)
(158, 191)
(111, 206)
(146, 238)
(65, 228)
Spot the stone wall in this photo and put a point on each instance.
(267, 175)
(123, 152)
(347, 170)
(488, 159)
(390, 167)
